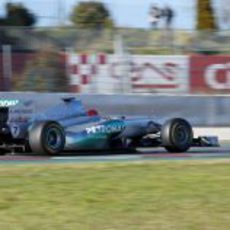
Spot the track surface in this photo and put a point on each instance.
(142, 155)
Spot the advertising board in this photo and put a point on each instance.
(210, 74)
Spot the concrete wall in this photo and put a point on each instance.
(199, 110)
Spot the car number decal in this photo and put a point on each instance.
(15, 130)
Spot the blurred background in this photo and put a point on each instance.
(115, 47)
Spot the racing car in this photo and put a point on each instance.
(68, 126)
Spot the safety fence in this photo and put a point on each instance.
(136, 40)
(116, 60)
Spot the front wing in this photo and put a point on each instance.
(206, 141)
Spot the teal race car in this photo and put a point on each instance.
(69, 127)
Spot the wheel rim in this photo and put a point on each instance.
(53, 138)
(181, 134)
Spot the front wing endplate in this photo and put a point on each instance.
(206, 141)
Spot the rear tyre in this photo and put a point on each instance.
(177, 135)
(46, 137)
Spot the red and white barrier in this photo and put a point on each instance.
(104, 73)
(82, 69)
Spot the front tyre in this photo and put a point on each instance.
(177, 135)
(46, 137)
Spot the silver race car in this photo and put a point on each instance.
(68, 126)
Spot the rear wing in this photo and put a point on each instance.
(15, 110)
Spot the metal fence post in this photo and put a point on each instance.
(7, 67)
(124, 66)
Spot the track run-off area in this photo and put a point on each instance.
(154, 154)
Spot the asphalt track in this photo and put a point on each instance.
(222, 152)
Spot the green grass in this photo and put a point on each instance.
(151, 195)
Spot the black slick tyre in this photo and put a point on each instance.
(46, 137)
(177, 135)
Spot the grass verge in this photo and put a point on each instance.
(150, 195)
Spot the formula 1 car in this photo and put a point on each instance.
(68, 126)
